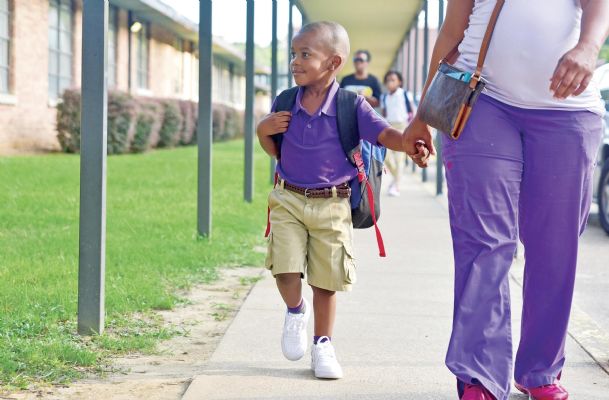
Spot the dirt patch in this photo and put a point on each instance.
(166, 376)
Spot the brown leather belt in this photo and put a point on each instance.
(343, 191)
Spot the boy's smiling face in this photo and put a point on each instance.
(313, 61)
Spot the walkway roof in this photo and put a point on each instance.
(377, 26)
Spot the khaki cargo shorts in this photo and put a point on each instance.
(312, 237)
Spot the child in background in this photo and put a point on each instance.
(398, 111)
(310, 212)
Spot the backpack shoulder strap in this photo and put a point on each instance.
(408, 104)
(286, 99)
(346, 119)
(284, 102)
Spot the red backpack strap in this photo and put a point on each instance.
(268, 211)
(379, 237)
(363, 179)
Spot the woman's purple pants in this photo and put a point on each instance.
(516, 173)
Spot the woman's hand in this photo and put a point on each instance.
(418, 142)
(574, 71)
(274, 123)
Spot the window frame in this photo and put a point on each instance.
(6, 69)
(59, 78)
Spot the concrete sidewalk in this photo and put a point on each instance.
(392, 330)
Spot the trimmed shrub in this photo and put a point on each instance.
(218, 123)
(195, 117)
(170, 132)
(121, 120)
(139, 124)
(68, 121)
(146, 127)
(227, 123)
(188, 122)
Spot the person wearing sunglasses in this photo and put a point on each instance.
(362, 82)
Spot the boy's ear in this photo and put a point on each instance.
(336, 62)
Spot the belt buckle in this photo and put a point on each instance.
(306, 193)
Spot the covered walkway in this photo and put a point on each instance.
(387, 29)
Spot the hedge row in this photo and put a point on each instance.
(137, 124)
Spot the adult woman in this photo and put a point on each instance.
(523, 165)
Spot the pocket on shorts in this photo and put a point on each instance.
(350, 273)
(268, 262)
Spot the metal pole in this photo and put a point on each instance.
(249, 105)
(92, 234)
(290, 36)
(404, 59)
(416, 68)
(425, 61)
(274, 73)
(204, 128)
(408, 62)
(439, 165)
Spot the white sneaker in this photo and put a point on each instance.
(393, 191)
(323, 360)
(294, 339)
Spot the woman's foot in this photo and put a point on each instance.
(476, 392)
(554, 391)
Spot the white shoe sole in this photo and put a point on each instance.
(321, 374)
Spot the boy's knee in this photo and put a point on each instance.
(288, 278)
(322, 292)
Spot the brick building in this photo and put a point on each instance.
(152, 51)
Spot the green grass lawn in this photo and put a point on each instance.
(152, 249)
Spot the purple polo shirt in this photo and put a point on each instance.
(311, 153)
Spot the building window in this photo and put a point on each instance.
(4, 46)
(142, 56)
(112, 45)
(60, 47)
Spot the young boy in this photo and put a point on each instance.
(311, 228)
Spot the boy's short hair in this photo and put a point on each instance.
(396, 73)
(366, 52)
(334, 34)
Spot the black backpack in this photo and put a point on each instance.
(368, 158)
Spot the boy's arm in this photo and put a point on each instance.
(268, 145)
(375, 129)
(391, 138)
(272, 124)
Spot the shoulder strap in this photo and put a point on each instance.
(451, 57)
(407, 101)
(284, 102)
(346, 119)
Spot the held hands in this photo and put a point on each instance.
(418, 142)
(574, 71)
(274, 123)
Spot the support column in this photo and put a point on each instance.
(93, 147)
(425, 62)
(249, 105)
(204, 128)
(439, 164)
(274, 74)
(290, 36)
